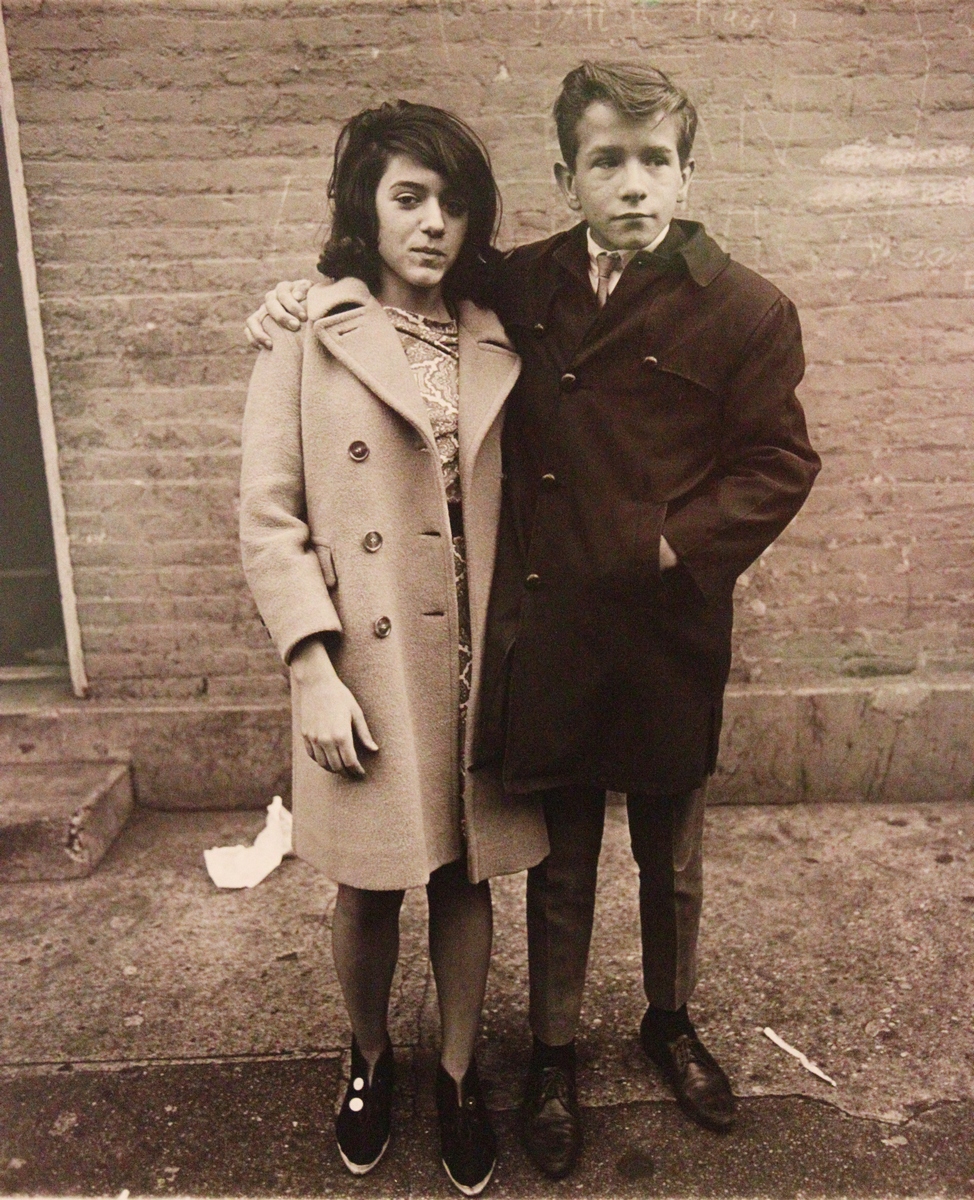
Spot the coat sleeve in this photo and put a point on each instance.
(765, 465)
(279, 560)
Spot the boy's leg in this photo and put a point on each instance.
(667, 843)
(561, 904)
(560, 907)
(666, 833)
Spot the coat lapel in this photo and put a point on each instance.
(363, 339)
(488, 369)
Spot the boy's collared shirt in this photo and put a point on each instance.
(625, 258)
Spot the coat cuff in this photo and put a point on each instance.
(305, 625)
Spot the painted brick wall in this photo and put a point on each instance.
(175, 157)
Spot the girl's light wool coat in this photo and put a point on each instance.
(344, 529)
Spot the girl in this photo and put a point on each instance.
(362, 434)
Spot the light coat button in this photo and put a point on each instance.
(568, 380)
(548, 481)
(650, 362)
(358, 452)
(372, 541)
(539, 329)
(533, 582)
(382, 627)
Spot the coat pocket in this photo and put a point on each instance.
(326, 560)
(620, 540)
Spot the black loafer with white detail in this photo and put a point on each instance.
(467, 1141)
(364, 1123)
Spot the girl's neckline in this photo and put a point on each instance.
(412, 316)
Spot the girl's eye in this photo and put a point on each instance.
(455, 208)
(407, 200)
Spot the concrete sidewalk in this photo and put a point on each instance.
(162, 1036)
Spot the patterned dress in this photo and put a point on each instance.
(432, 348)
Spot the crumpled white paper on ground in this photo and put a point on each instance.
(246, 866)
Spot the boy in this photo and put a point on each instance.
(653, 448)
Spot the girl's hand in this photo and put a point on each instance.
(330, 715)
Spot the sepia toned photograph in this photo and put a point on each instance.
(487, 598)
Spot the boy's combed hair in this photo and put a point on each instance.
(437, 140)
(634, 91)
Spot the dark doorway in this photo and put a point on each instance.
(31, 624)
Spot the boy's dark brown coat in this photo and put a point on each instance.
(671, 411)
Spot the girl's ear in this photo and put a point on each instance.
(565, 179)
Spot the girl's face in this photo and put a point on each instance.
(422, 224)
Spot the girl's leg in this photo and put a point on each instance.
(460, 933)
(365, 946)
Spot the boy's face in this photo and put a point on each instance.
(627, 180)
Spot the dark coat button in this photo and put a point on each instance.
(372, 541)
(358, 452)
(650, 362)
(539, 328)
(548, 481)
(533, 582)
(568, 380)
(382, 627)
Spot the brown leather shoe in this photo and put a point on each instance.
(697, 1080)
(551, 1127)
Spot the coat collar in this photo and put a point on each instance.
(349, 321)
(687, 241)
(705, 260)
(352, 325)
(572, 254)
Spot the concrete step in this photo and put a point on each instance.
(183, 756)
(58, 819)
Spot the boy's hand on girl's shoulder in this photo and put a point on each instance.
(667, 555)
(284, 304)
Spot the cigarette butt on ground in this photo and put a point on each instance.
(805, 1061)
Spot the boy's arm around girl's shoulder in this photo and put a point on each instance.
(500, 285)
(510, 272)
(765, 464)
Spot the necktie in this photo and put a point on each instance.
(606, 262)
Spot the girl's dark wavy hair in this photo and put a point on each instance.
(435, 139)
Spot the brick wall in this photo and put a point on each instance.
(175, 157)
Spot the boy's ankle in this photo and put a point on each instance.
(666, 1024)
(545, 1055)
